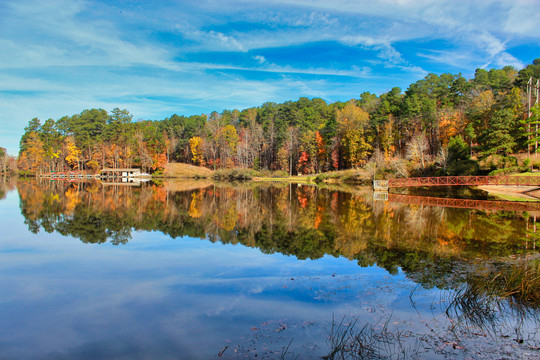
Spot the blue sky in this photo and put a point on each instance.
(157, 58)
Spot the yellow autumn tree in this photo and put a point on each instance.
(387, 137)
(34, 155)
(228, 144)
(72, 152)
(196, 146)
(353, 123)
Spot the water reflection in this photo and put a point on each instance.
(202, 290)
(341, 223)
(304, 221)
(6, 184)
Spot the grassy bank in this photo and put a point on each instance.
(294, 179)
(180, 170)
(351, 176)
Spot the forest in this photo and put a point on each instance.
(445, 124)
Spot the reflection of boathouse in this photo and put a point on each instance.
(121, 175)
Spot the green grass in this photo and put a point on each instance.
(510, 197)
(353, 176)
(536, 173)
(296, 179)
(234, 174)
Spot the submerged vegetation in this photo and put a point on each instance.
(442, 124)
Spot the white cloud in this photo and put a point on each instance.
(362, 40)
(458, 59)
(502, 59)
(260, 59)
(522, 18)
(216, 41)
(49, 33)
(491, 45)
(488, 25)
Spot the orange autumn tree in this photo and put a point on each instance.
(451, 123)
(321, 150)
(159, 161)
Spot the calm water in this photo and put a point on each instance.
(186, 270)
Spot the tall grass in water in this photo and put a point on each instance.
(522, 284)
(370, 341)
(517, 283)
(499, 299)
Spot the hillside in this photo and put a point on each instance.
(180, 170)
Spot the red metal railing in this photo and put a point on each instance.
(466, 203)
(464, 180)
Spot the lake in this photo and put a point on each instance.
(201, 270)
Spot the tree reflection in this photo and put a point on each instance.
(7, 184)
(430, 244)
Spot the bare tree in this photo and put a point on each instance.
(417, 148)
(442, 158)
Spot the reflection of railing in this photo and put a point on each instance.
(466, 203)
(68, 175)
(123, 181)
(464, 180)
(380, 195)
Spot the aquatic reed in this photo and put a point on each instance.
(370, 341)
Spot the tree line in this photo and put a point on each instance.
(441, 120)
(8, 164)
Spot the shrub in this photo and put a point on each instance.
(526, 165)
(458, 149)
(351, 176)
(26, 173)
(234, 174)
(505, 171)
(273, 174)
(463, 168)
